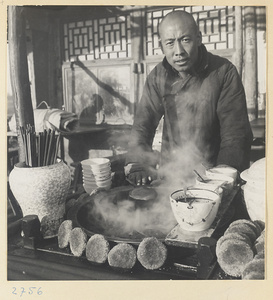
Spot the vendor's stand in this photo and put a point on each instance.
(44, 260)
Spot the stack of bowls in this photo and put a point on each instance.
(224, 170)
(216, 182)
(96, 174)
(219, 179)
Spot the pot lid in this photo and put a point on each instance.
(256, 172)
(143, 193)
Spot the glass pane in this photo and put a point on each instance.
(115, 90)
(100, 94)
(80, 89)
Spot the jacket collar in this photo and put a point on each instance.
(202, 63)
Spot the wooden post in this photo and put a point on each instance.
(238, 39)
(261, 60)
(250, 61)
(19, 71)
(137, 51)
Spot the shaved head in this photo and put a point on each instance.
(180, 40)
(175, 16)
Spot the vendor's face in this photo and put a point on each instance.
(180, 40)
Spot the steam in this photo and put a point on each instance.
(121, 216)
(179, 171)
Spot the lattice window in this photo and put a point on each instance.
(217, 24)
(102, 38)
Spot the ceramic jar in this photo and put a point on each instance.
(42, 191)
(254, 190)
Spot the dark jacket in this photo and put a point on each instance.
(207, 108)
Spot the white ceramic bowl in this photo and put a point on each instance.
(88, 181)
(103, 176)
(85, 171)
(198, 215)
(86, 162)
(95, 161)
(214, 185)
(99, 171)
(215, 180)
(99, 162)
(90, 185)
(88, 175)
(104, 183)
(88, 189)
(96, 164)
(227, 171)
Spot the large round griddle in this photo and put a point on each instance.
(84, 214)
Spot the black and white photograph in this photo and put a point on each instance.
(137, 147)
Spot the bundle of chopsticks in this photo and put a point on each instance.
(40, 149)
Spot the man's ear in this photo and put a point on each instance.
(160, 45)
(199, 38)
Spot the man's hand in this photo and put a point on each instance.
(138, 174)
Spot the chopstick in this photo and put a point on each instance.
(41, 149)
(24, 138)
(56, 148)
(202, 179)
(29, 149)
(50, 143)
(46, 146)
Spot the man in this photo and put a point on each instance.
(202, 99)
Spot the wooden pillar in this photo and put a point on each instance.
(261, 60)
(137, 51)
(250, 61)
(238, 39)
(19, 72)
